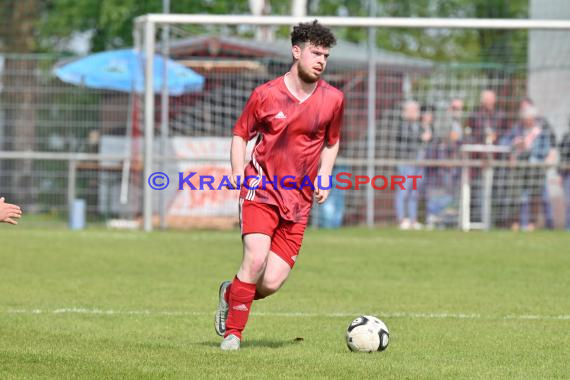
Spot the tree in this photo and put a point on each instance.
(19, 19)
(111, 21)
(488, 46)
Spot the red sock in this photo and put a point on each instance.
(258, 296)
(240, 299)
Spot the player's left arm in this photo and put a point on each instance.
(329, 153)
(328, 157)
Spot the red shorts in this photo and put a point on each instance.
(262, 218)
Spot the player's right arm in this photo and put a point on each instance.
(244, 130)
(237, 157)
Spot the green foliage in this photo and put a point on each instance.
(486, 46)
(111, 21)
(18, 25)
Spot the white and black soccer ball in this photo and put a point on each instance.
(367, 334)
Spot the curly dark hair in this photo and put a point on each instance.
(314, 33)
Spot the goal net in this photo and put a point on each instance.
(478, 108)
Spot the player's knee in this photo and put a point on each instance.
(259, 295)
(270, 287)
(262, 292)
(254, 266)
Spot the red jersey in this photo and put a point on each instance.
(290, 138)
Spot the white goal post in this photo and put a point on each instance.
(146, 28)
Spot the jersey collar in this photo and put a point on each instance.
(300, 101)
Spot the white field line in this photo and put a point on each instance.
(409, 315)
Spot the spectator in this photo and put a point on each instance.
(9, 212)
(486, 124)
(412, 138)
(442, 182)
(531, 144)
(550, 158)
(564, 149)
(455, 113)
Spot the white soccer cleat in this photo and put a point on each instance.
(230, 343)
(222, 312)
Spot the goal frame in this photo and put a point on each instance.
(145, 28)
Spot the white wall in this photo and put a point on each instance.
(549, 64)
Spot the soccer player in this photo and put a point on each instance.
(9, 212)
(296, 118)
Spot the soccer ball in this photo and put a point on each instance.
(367, 334)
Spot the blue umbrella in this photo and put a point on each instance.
(123, 70)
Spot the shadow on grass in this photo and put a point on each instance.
(253, 343)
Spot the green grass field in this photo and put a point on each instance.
(100, 304)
